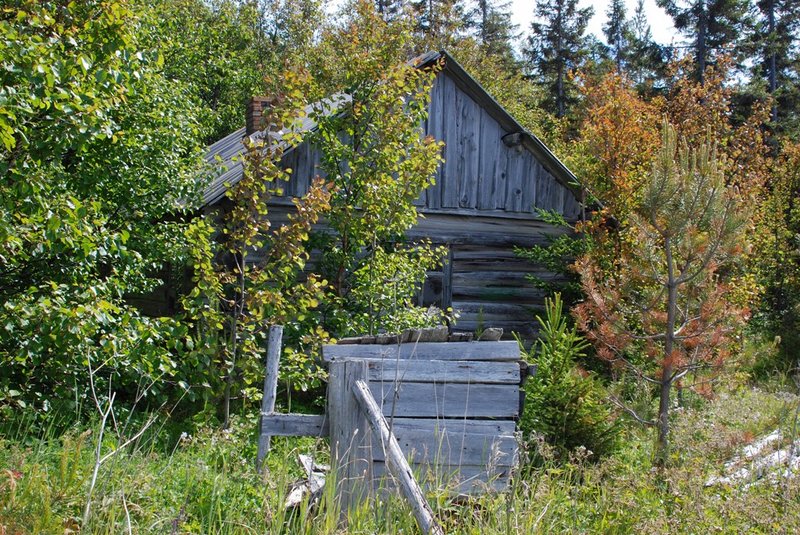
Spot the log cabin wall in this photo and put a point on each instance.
(483, 203)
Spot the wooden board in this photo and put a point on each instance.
(447, 401)
(441, 371)
(458, 480)
(294, 425)
(491, 351)
(452, 449)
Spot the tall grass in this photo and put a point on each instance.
(206, 483)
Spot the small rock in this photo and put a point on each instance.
(386, 339)
(492, 334)
(460, 337)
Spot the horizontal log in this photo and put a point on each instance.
(294, 425)
(447, 401)
(424, 446)
(505, 350)
(442, 371)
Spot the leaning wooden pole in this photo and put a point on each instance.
(270, 388)
(396, 461)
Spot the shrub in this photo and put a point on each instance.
(563, 403)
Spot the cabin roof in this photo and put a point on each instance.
(228, 148)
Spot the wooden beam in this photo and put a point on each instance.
(441, 371)
(428, 400)
(294, 425)
(270, 388)
(491, 351)
(396, 461)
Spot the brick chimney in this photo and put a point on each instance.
(255, 114)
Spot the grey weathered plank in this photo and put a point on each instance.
(468, 168)
(458, 480)
(433, 194)
(514, 182)
(455, 425)
(501, 172)
(350, 437)
(452, 151)
(294, 425)
(490, 141)
(452, 449)
(440, 371)
(505, 350)
(270, 387)
(447, 400)
(395, 460)
(447, 280)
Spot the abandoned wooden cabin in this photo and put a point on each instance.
(495, 176)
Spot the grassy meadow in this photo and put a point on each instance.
(205, 482)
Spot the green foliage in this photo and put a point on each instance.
(562, 402)
(556, 257)
(378, 164)
(224, 50)
(98, 150)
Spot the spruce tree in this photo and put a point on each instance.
(557, 45)
(645, 58)
(776, 59)
(439, 22)
(617, 32)
(493, 28)
(710, 25)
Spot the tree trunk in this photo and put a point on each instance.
(662, 443)
(772, 75)
(700, 48)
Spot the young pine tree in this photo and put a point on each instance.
(666, 313)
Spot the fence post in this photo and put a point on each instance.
(270, 388)
(350, 436)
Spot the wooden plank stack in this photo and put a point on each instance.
(451, 406)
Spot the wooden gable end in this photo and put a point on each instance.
(481, 175)
(481, 172)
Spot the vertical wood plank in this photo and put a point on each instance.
(452, 121)
(500, 173)
(490, 136)
(351, 446)
(469, 155)
(433, 194)
(515, 181)
(543, 187)
(270, 388)
(447, 279)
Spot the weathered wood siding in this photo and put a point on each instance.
(482, 278)
(480, 173)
